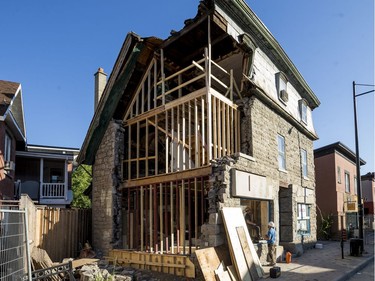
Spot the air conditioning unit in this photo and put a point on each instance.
(9, 166)
(284, 95)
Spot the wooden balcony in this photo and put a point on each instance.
(55, 193)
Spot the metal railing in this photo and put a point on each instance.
(14, 248)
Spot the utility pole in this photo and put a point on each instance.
(358, 169)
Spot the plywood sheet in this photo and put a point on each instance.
(209, 260)
(254, 270)
(233, 218)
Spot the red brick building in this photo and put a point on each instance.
(368, 193)
(336, 188)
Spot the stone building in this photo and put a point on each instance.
(216, 115)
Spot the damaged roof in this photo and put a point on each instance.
(181, 48)
(134, 56)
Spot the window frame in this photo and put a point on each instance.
(347, 181)
(7, 147)
(303, 216)
(303, 110)
(281, 84)
(281, 153)
(339, 174)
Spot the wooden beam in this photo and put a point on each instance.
(161, 218)
(150, 218)
(197, 172)
(167, 141)
(156, 165)
(142, 220)
(214, 125)
(172, 212)
(196, 124)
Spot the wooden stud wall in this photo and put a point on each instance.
(165, 217)
(170, 131)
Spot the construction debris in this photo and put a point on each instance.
(87, 252)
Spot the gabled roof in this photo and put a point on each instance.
(337, 147)
(11, 108)
(134, 56)
(8, 91)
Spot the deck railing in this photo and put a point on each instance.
(53, 190)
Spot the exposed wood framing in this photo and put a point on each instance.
(176, 123)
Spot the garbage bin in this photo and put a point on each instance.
(356, 247)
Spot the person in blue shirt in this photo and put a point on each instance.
(271, 241)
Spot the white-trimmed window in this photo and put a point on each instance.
(303, 218)
(338, 174)
(347, 182)
(7, 148)
(281, 149)
(303, 110)
(304, 162)
(281, 86)
(355, 185)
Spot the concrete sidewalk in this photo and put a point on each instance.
(325, 264)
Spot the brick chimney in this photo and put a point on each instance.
(100, 82)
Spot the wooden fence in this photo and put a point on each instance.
(62, 232)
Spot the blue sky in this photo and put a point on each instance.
(53, 48)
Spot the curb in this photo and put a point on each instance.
(355, 270)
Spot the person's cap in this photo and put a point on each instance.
(247, 209)
(271, 224)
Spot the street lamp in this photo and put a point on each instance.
(359, 188)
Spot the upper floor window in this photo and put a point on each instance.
(281, 86)
(338, 174)
(303, 110)
(281, 149)
(7, 148)
(347, 182)
(304, 162)
(355, 185)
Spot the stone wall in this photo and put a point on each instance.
(106, 197)
(260, 126)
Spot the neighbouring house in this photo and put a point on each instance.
(42, 172)
(214, 116)
(368, 194)
(336, 188)
(12, 134)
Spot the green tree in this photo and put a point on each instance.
(81, 179)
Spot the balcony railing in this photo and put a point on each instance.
(54, 190)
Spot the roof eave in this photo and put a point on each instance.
(89, 146)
